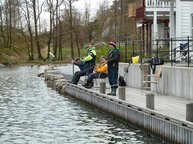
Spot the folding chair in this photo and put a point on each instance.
(98, 80)
(150, 79)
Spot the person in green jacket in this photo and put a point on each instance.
(113, 67)
(89, 64)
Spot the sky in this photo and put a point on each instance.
(80, 5)
(94, 4)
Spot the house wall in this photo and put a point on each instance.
(191, 11)
(186, 18)
(183, 18)
(184, 10)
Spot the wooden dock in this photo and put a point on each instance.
(166, 105)
(167, 120)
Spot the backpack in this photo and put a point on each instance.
(155, 61)
(121, 81)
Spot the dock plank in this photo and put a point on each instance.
(166, 105)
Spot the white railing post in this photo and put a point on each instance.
(156, 3)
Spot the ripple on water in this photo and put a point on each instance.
(32, 113)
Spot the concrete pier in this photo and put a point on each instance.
(150, 101)
(122, 93)
(167, 121)
(189, 112)
(102, 87)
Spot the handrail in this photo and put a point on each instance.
(169, 49)
(157, 4)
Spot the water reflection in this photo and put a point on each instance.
(31, 113)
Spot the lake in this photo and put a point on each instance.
(32, 113)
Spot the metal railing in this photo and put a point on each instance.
(157, 4)
(173, 51)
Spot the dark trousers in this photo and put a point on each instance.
(78, 74)
(95, 75)
(113, 76)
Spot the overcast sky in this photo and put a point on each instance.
(94, 4)
(80, 5)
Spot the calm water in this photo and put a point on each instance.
(32, 113)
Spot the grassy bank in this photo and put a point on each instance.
(19, 56)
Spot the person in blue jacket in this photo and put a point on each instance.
(113, 67)
(89, 64)
(78, 62)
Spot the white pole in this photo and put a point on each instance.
(172, 32)
(154, 28)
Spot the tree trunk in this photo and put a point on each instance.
(10, 25)
(2, 31)
(36, 30)
(71, 31)
(30, 31)
(60, 39)
(77, 44)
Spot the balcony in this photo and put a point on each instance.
(140, 14)
(157, 4)
(145, 12)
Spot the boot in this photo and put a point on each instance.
(88, 85)
(85, 84)
(112, 89)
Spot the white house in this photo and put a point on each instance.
(153, 17)
(181, 22)
(184, 18)
(161, 19)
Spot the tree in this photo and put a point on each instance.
(9, 14)
(50, 10)
(76, 29)
(102, 17)
(2, 26)
(87, 20)
(55, 27)
(57, 35)
(25, 8)
(36, 18)
(69, 9)
(60, 38)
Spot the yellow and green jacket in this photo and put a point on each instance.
(89, 60)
